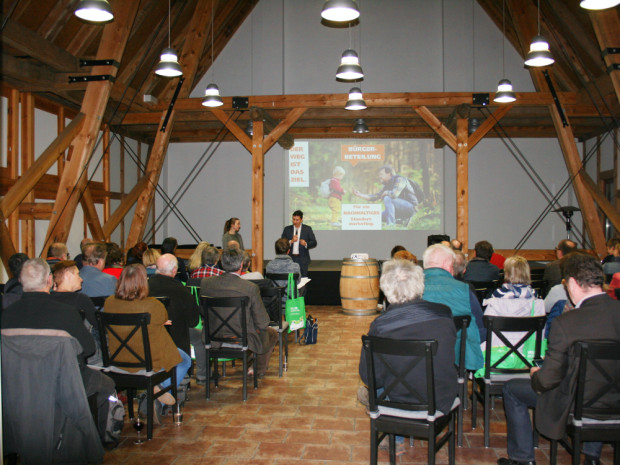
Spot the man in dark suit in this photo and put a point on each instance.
(182, 309)
(596, 317)
(302, 239)
(261, 338)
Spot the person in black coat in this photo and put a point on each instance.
(301, 238)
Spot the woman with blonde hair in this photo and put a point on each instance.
(196, 259)
(132, 296)
(149, 260)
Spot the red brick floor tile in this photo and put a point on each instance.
(224, 448)
(340, 453)
(278, 450)
(308, 437)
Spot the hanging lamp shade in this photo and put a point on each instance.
(504, 92)
(360, 126)
(349, 69)
(169, 65)
(249, 129)
(356, 100)
(340, 10)
(94, 11)
(539, 54)
(598, 4)
(212, 96)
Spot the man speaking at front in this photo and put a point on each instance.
(302, 239)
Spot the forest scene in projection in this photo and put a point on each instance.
(366, 185)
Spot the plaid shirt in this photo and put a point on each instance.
(205, 271)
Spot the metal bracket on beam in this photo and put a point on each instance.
(90, 78)
(610, 51)
(109, 62)
(613, 67)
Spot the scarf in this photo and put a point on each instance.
(514, 291)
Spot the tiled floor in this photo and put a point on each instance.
(310, 416)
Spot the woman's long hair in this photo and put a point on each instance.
(132, 284)
(229, 223)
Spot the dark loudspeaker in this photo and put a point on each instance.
(437, 238)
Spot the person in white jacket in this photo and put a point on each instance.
(515, 298)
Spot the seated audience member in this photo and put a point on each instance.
(182, 309)
(195, 260)
(613, 285)
(246, 273)
(553, 275)
(479, 269)
(282, 263)
(79, 258)
(515, 297)
(409, 317)
(441, 287)
(57, 251)
(149, 260)
(455, 244)
(555, 294)
(612, 265)
(13, 288)
(550, 388)
(396, 248)
(169, 245)
(113, 260)
(611, 247)
(132, 296)
(406, 255)
(95, 282)
(38, 310)
(210, 256)
(460, 263)
(134, 254)
(261, 338)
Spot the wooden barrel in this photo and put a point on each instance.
(359, 286)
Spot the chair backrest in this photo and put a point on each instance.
(598, 390)
(225, 320)
(461, 323)
(193, 284)
(272, 300)
(118, 330)
(395, 361)
(497, 326)
(484, 289)
(163, 299)
(281, 279)
(98, 301)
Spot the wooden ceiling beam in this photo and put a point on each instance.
(487, 125)
(437, 126)
(606, 25)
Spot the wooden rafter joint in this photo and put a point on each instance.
(286, 141)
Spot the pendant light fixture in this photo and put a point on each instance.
(349, 69)
(212, 92)
(598, 4)
(169, 62)
(94, 11)
(356, 100)
(360, 126)
(340, 10)
(504, 92)
(539, 54)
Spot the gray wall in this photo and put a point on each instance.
(404, 46)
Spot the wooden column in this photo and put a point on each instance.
(74, 178)
(13, 162)
(258, 192)
(606, 25)
(462, 182)
(27, 157)
(106, 174)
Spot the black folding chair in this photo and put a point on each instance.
(483, 289)
(272, 299)
(484, 389)
(418, 418)
(222, 318)
(281, 280)
(118, 330)
(596, 413)
(462, 323)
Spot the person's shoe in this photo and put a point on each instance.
(589, 460)
(165, 398)
(362, 397)
(505, 461)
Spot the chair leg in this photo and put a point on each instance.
(616, 453)
(431, 444)
(149, 412)
(392, 441)
(460, 413)
(474, 405)
(373, 444)
(208, 376)
(280, 354)
(285, 353)
(245, 375)
(553, 452)
(451, 447)
(487, 416)
(576, 447)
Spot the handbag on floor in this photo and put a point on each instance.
(295, 313)
(311, 331)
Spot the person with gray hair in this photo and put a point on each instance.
(182, 307)
(409, 317)
(251, 275)
(37, 309)
(261, 338)
(443, 288)
(95, 282)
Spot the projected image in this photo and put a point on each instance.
(353, 185)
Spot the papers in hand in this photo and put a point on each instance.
(302, 282)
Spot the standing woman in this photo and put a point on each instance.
(231, 233)
(132, 296)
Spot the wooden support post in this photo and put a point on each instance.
(90, 215)
(606, 25)
(74, 178)
(106, 174)
(462, 182)
(27, 156)
(436, 126)
(12, 163)
(258, 176)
